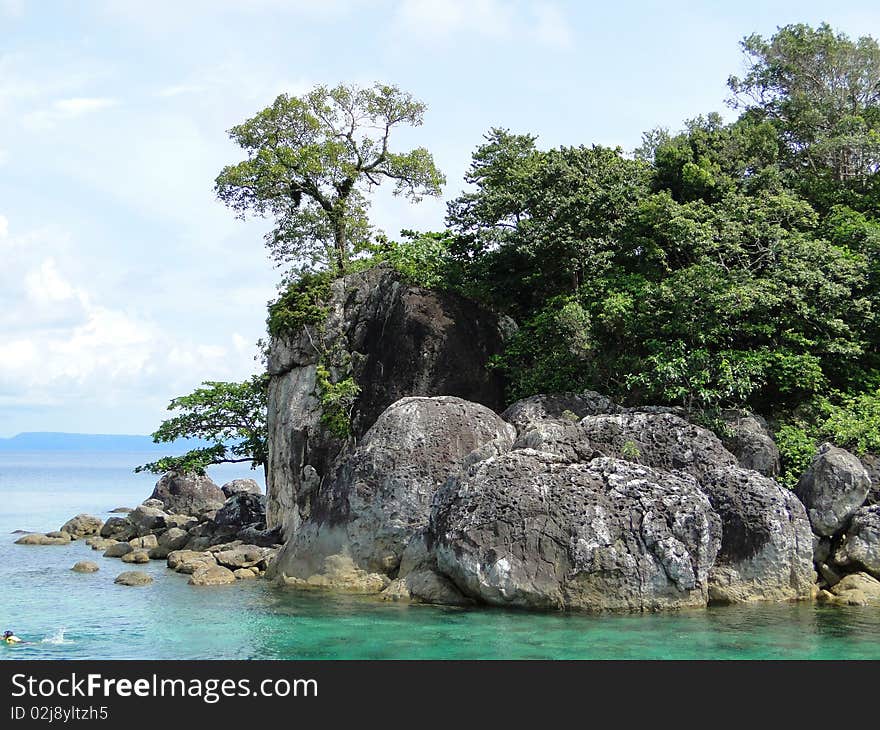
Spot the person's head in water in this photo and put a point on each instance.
(7, 634)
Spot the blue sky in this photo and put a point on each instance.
(123, 282)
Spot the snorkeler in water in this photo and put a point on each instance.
(10, 638)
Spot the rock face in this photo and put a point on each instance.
(395, 340)
(833, 489)
(530, 529)
(857, 589)
(766, 545)
(82, 526)
(118, 528)
(243, 508)
(188, 494)
(749, 438)
(860, 545)
(871, 462)
(529, 412)
(381, 494)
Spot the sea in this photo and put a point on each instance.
(67, 615)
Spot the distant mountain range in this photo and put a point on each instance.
(49, 441)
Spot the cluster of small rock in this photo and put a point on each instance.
(842, 498)
(216, 535)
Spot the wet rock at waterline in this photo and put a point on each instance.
(85, 566)
(82, 525)
(214, 575)
(50, 538)
(133, 578)
(860, 545)
(833, 489)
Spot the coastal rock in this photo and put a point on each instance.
(857, 589)
(833, 489)
(240, 486)
(146, 519)
(183, 522)
(174, 538)
(425, 586)
(213, 575)
(82, 525)
(749, 438)
(860, 545)
(34, 538)
(246, 556)
(261, 538)
(188, 561)
(871, 462)
(659, 440)
(147, 542)
(766, 544)
(117, 550)
(245, 574)
(396, 340)
(339, 573)
(133, 578)
(100, 543)
(529, 529)
(118, 528)
(121, 510)
(153, 503)
(138, 557)
(526, 413)
(381, 494)
(188, 494)
(243, 508)
(85, 566)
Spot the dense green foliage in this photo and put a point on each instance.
(231, 415)
(337, 399)
(301, 302)
(311, 163)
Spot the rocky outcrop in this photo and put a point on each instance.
(748, 437)
(50, 538)
(766, 544)
(871, 462)
(82, 526)
(532, 530)
(213, 575)
(85, 566)
(572, 407)
(833, 489)
(381, 494)
(395, 340)
(859, 547)
(187, 494)
(118, 528)
(857, 589)
(243, 508)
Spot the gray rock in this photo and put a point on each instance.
(871, 462)
(85, 566)
(138, 557)
(147, 542)
(243, 508)
(858, 589)
(173, 539)
(240, 486)
(833, 489)
(246, 556)
(766, 543)
(99, 543)
(117, 550)
(121, 510)
(188, 494)
(133, 578)
(147, 519)
(82, 526)
(750, 439)
(153, 503)
(401, 341)
(60, 538)
(261, 538)
(188, 561)
(184, 522)
(118, 528)
(213, 575)
(860, 544)
(245, 574)
(529, 529)
(526, 413)
(381, 495)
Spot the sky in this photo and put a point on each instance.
(124, 282)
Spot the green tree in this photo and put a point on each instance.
(822, 90)
(311, 163)
(231, 415)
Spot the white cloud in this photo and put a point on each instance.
(66, 109)
(62, 347)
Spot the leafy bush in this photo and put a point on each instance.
(337, 400)
(797, 447)
(854, 423)
(302, 301)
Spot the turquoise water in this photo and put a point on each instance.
(73, 616)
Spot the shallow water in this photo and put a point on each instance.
(85, 616)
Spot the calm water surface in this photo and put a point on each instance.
(74, 616)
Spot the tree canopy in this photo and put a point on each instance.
(230, 416)
(312, 161)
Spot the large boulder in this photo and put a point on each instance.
(50, 538)
(85, 566)
(82, 526)
(240, 486)
(526, 413)
(243, 508)
(833, 489)
(395, 340)
(381, 494)
(531, 530)
(858, 589)
(212, 575)
(119, 528)
(147, 519)
(860, 544)
(871, 462)
(133, 578)
(188, 494)
(766, 543)
(748, 437)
